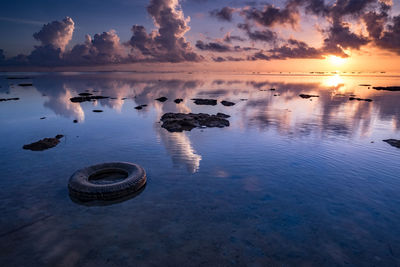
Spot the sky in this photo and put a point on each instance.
(268, 35)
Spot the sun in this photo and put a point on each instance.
(337, 61)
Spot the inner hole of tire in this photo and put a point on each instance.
(108, 176)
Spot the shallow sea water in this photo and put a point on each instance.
(291, 182)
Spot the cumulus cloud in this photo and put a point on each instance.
(224, 14)
(56, 34)
(164, 44)
(167, 42)
(102, 48)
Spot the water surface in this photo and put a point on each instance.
(292, 181)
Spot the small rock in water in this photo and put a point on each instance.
(393, 142)
(139, 107)
(42, 118)
(227, 103)
(199, 101)
(75, 121)
(178, 100)
(44, 144)
(97, 110)
(80, 99)
(162, 99)
(178, 122)
(307, 96)
(9, 99)
(25, 84)
(360, 99)
(388, 88)
(85, 94)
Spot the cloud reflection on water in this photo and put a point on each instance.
(331, 114)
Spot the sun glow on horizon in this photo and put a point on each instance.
(336, 61)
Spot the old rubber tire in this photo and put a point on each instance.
(81, 187)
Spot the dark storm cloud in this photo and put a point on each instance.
(213, 46)
(265, 35)
(296, 49)
(221, 47)
(390, 39)
(293, 49)
(229, 58)
(270, 15)
(224, 14)
(228, 38)
(340, 37)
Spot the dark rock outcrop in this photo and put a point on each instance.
(360, 99)
(162, 99)
(307, 96)
(227, 103)
(80, 99)
(199, 101)
(388, 88)
(44, 144)
(393, 142)
(178, 122)
(178, 100)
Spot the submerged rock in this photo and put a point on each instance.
(140, 107)
(44, 144)
(307, 96)
(178, 100)
(80, 99)
(227, 103)
(162, 99)
(178, 122)
(388, 88)
(360, 99)
(18, 78)
(393, 142)
(199, 101)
